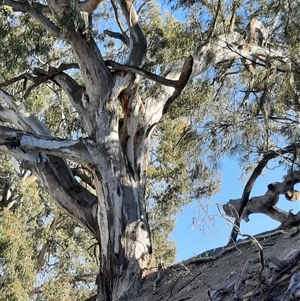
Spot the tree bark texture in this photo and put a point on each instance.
(115, 151)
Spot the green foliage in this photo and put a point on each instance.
(163, 35)
(17, 266)
(68, 268)
(227, 111)
(23, 43)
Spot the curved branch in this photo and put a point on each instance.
(182, 81)
(116, 35)
(241, 211)
(138, 42)
(177, 84)
(40, 76)
(36, 14)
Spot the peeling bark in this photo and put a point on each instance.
(115, 152)
(266, 203)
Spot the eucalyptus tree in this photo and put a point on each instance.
(119, 102)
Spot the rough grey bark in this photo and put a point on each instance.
(258, 268)
(115, 151)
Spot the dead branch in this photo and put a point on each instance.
(243, 211)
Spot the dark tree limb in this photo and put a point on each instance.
(123, 34)
(116, 35)
(39, 76)
(182, 81)
(177, 84)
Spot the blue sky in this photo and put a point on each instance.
(193, 241)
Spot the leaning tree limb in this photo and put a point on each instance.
(242, 208)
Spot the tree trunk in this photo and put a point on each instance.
(116, 149)
(123, 233)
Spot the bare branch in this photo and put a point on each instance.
(182, 81)
(177, 84)
(116, 35)
(142, 5)
(125, 37)
(65, 148)
(241, 208)
(40, 77)
(138, 42)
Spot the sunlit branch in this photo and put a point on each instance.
(75, 150)
(249, 185)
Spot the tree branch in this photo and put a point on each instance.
(65, 148)
(67, 193)
(40, 76)
(36, 14)
(177, 84)
(14, 115)
(116, 35)
(269, 200)
(124, 35)
(138, 42)
(182, 81)
(72, 197)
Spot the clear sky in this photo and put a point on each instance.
(193, 241)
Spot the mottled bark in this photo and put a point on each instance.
(115, 150)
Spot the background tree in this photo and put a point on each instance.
(88, 140)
